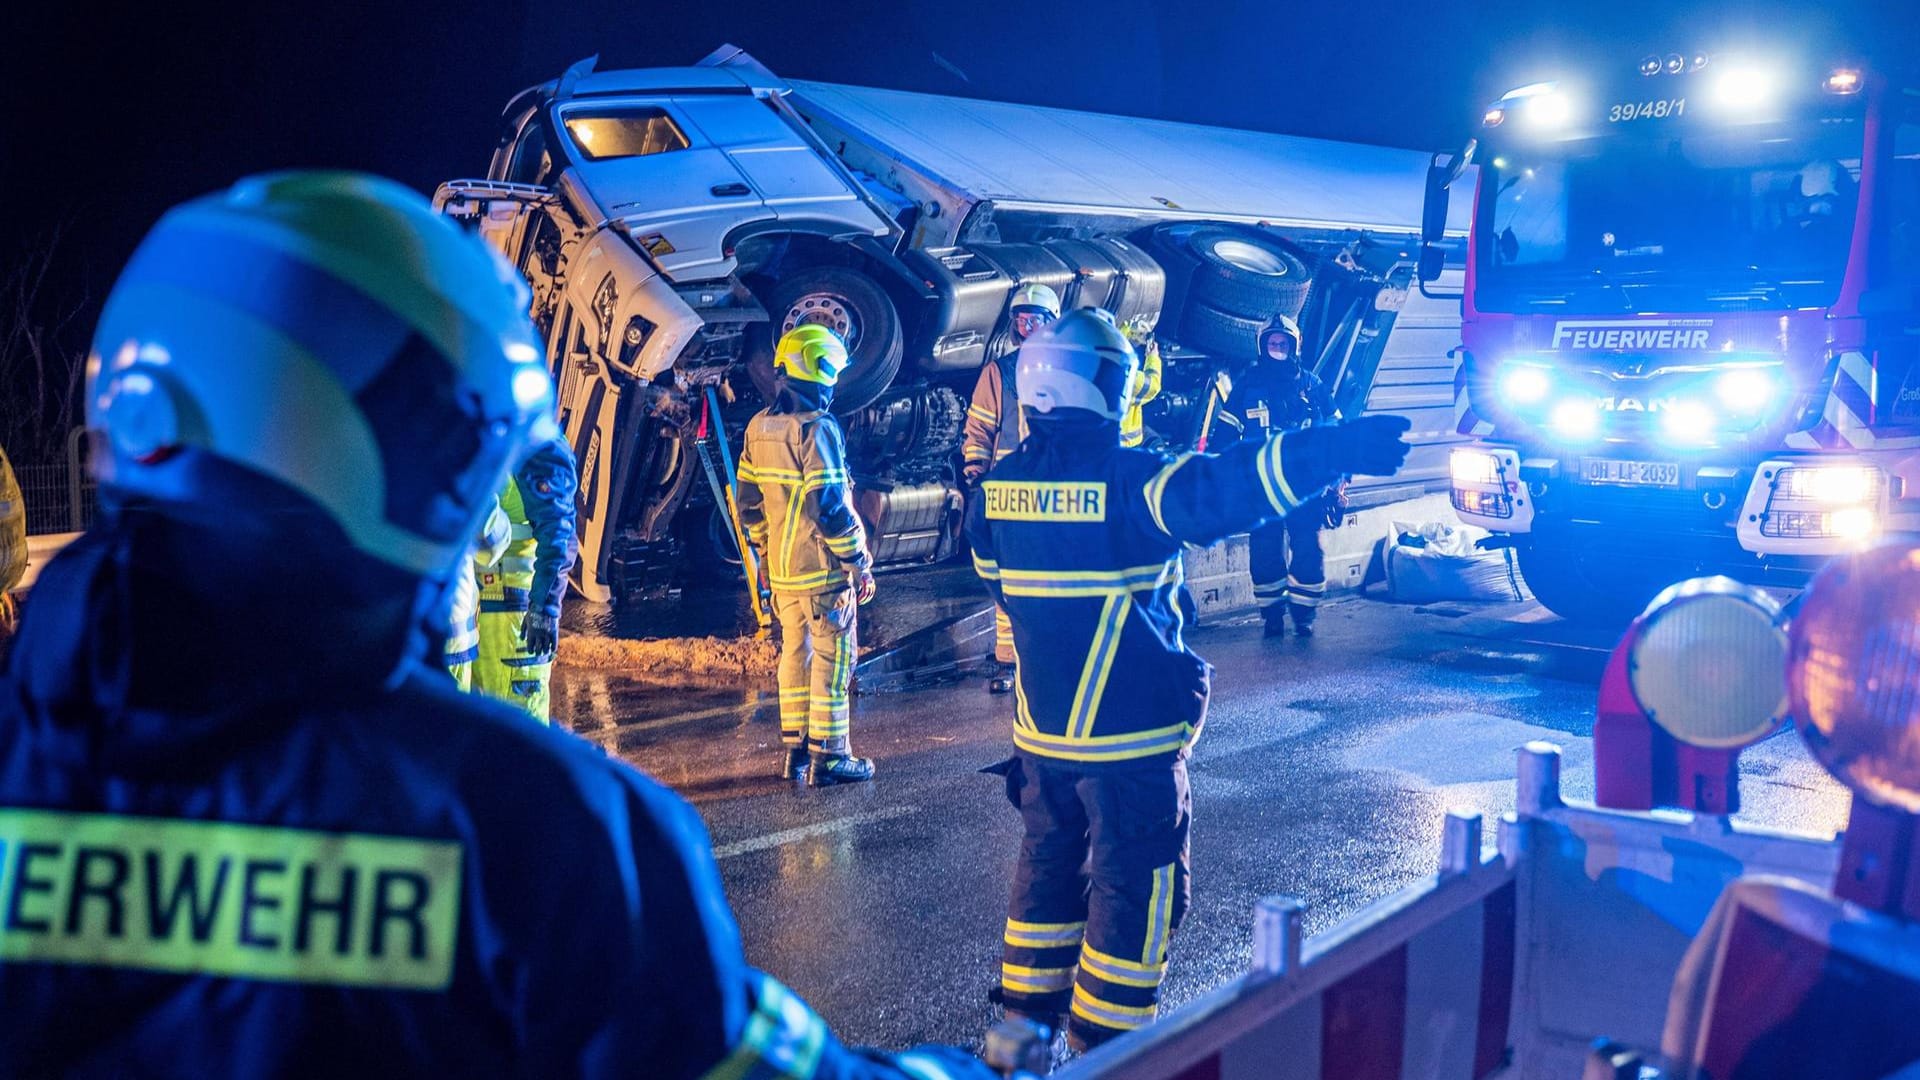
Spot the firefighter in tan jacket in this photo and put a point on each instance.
(796, 502)
(994, 430)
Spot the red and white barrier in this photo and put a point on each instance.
(1509, 967)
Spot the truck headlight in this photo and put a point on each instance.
(1829, 485)
(1476, 467)
(1525, 385)
(1825, 501)
(1746, 390)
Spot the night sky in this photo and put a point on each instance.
(116, 112)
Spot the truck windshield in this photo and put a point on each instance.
(1698, 220)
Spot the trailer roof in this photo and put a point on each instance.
(1028, 154)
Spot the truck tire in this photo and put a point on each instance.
(1226, 337)
(1246, 272)
(853, 306)
(1564, 582)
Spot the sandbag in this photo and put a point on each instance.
(1439, 560)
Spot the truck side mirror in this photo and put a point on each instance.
(1444, 169)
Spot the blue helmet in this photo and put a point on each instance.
(329, 332)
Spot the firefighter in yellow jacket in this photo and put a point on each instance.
(994, 430)
(463, 645)
(519, 618)
(796, 502)
(1080, 540)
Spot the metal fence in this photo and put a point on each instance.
(59, 497)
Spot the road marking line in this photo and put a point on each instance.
(808, 832)
(618, 730)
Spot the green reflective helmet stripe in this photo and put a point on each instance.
(1035, 295)
(811, 353)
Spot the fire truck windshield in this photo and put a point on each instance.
(1696, 220)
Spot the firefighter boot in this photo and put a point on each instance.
(1024, 1044)
(831, 769)
(1275, 620)
(1303, 620)
(793, 761)
(1000, 679)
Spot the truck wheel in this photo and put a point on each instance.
(849, 303)
(1246, 272)
(1564, 581)
(1231, 338)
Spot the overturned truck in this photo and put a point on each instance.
(673, 222)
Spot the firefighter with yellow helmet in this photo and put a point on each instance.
(994, 430)
(796, 501)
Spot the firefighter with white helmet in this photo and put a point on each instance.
(796, 501)
(994, 429)
(1080, 540)
(224, 729)
(1146, 383)
(1277, 393)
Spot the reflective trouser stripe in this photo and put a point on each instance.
(1305, 594)
(816, 667)
(1109, 1014)
(1037, 962)
(504, 669)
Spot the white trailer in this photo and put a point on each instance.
(674, 221)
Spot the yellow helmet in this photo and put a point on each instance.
(811, 353)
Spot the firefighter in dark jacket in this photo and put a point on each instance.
(994, 430)
(520, 595)
(1273, 395)
(1080, 539)
(250, 828)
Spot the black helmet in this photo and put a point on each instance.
(1281, 325)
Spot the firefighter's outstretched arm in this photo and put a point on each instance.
(983, 422)
(1201, 498)
(548, 480)
(749, 502)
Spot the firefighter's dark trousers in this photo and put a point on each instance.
(1099, 889)
(1289, 567)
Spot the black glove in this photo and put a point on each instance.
(1337, 503)
(540, 632)
(1317, 456)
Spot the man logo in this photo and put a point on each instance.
(1629, 404)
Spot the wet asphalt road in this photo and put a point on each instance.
(1324, 772)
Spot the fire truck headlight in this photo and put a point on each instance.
(1573, 419)
(1688, 422)
(1842, 81)
(1746, 390)
(1525, 385)
(1853, 523)
(1744, 87)
(1853, 673)
(1547, 110)
(1830, 485)
(1475, 467)
(1707, 662)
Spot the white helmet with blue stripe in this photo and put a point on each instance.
(331, 333)
(1081, 361)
